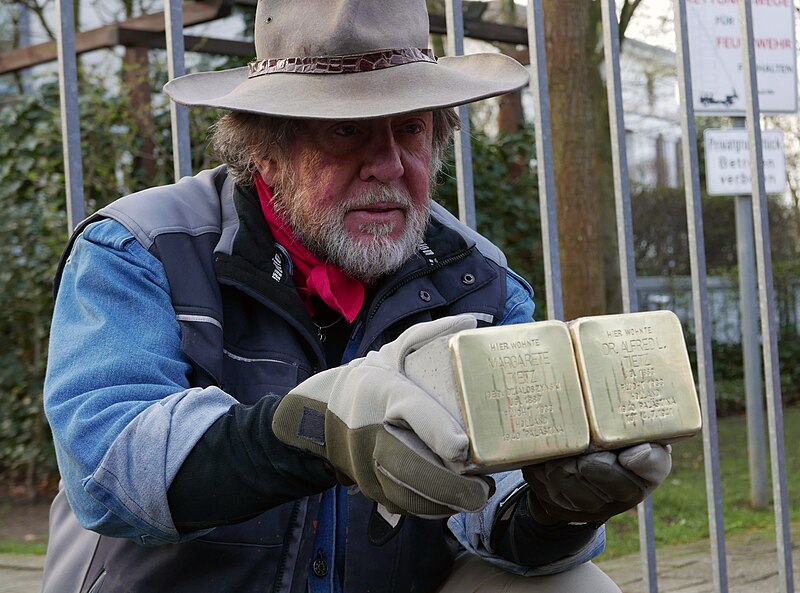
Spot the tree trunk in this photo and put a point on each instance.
(510, 117)
(136, 72)
(571, 42)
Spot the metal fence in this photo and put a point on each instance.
(539, 88)
(724, 304)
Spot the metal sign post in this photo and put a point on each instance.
(627, 265)
(753, 385)
(70, 113)
(702, 324)
(181, 150)
(767, 304)
(462, 142)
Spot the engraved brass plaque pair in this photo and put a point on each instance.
(542, 390)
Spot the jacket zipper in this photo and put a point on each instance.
(418, 274)
(257, 296)
(285, 551)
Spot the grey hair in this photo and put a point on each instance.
(243, 139)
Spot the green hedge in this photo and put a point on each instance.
(33, 232)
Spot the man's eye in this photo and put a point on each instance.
(345, 130)
(413, 128)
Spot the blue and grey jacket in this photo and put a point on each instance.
(173, 305)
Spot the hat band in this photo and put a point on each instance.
(378, 60)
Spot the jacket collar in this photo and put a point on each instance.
(261, 268)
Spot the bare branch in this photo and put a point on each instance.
(39, 9)
(628, 8)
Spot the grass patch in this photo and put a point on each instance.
(679, 505)
(11, 547)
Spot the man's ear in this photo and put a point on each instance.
(268, 170)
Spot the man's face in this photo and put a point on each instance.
(357, 193)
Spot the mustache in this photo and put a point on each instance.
(382, 194)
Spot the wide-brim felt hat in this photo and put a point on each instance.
(347, 59)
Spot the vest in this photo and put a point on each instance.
(244, 328)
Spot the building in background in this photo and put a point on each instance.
(652, 120)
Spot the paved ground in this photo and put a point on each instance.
(752, 568)
(751, 559)
(20, 574)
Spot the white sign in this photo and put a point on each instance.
(716, 56)
(728, 162)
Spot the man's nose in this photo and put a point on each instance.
(382, 158)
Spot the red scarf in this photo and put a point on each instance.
(312, 276)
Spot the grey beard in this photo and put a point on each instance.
(363, 260)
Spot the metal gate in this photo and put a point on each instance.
(539, 87)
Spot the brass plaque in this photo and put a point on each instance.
(636, 376)
(518, 392)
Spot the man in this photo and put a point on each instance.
(207, 436)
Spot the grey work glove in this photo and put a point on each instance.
(383, 432)
(594, 487)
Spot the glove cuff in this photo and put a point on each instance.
(538, 513)
(300, 422)
(527, 542)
